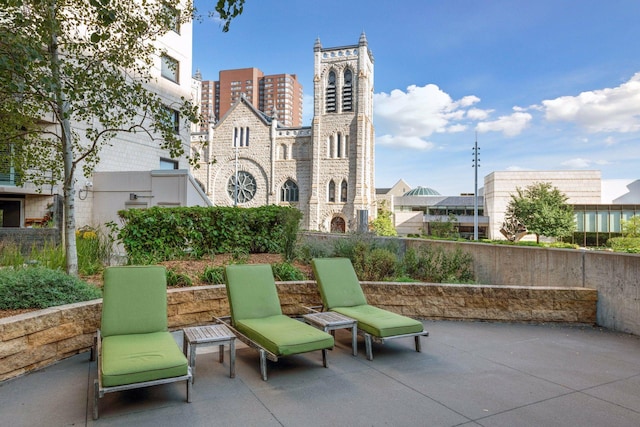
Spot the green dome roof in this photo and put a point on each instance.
(422, 191)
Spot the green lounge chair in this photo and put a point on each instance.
(257, 319)
(134, 347)
(341, 292)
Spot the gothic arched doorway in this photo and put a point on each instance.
(337, 225)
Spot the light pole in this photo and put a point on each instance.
(475, 165)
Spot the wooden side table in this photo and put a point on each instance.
(208, 335)
(330, 321)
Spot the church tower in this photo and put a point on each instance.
(342, 158)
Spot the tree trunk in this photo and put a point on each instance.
(62, 107)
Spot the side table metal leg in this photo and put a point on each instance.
(192, 360)
(232, 358)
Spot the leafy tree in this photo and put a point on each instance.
(76, 73)
(445, 229)
(542, 209)
(631, 227)
(383, 224)
(227, 10)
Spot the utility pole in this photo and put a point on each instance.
(475, 165)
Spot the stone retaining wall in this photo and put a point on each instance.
(33, 340)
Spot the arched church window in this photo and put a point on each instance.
(331, 93)
(289, 192)
(343, 191)
(347, 91)
(332, 191)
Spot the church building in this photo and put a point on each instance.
(325, 170)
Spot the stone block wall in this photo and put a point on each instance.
(34, 340)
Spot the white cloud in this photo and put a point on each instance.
(408, 118)
(577, 163)
(413, 142)
(605, 110)
(478, 114)
(580, 163)
(516, 168)
(510, 125)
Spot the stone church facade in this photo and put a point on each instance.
(325, 170)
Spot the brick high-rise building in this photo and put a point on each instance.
(279, 93)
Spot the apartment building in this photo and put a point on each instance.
(277, 95)
(134, 171)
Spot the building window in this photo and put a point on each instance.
(168, 164)
(170, 68)
(8, 175)
(173, 118)
(331, 93)
(347, 91)
(343, 191)
(243, 189)
(174, 17)
(283, 152)
(241, 136)
(289, 192)
(332, 191)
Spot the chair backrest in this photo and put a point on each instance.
(134, 300)
(337, 281)
(251, 290)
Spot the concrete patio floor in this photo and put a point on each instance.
(468, 374)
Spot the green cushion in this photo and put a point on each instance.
(251, 290)
(134, 300)
(284, 336)
(338, 283)
(128, 359)
(379, 322)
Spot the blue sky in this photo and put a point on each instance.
(546, 85)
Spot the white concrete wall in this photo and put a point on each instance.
(581, 187)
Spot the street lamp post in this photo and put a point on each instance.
(475, 165)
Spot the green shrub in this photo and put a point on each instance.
(94, 250)
(179, 280)
(213, 275)
(311, 248)
(10, 255)
(375, 264)
(39, 287)
(285, 271)
(434, 264)
(625, 244)
(160, 234)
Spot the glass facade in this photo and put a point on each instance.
(595, 224)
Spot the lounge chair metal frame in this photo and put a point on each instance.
(99, 390)
(264, 353)
(152, 315)
(369, 339)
